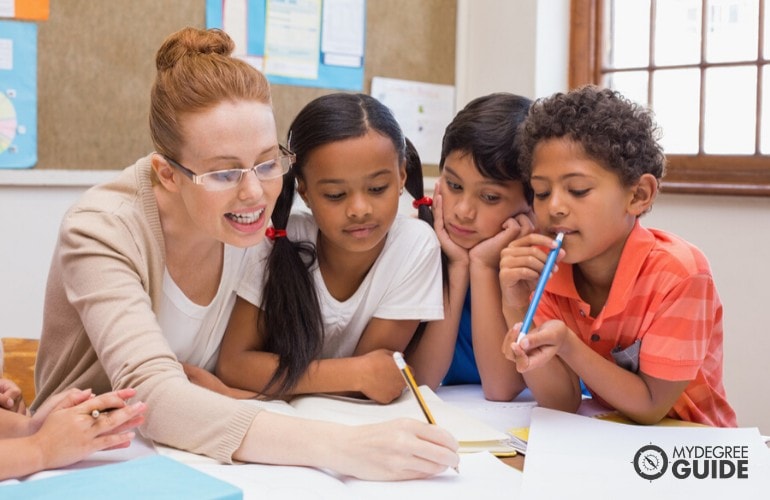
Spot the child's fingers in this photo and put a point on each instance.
(520, 358)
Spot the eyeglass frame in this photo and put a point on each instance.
(199, 179)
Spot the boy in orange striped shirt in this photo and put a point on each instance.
(631, 311)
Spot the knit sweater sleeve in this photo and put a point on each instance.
(111, 270)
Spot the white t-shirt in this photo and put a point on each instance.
(403, 283)
(194, 332)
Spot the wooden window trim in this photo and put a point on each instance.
(747, 175)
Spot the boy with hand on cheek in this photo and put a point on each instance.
(631, 311)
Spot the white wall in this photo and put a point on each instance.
(499, 49)
(32, 204)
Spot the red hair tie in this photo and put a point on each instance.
(425, 200)
(274, 233)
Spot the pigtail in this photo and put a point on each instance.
(291, 315)
(415, 184)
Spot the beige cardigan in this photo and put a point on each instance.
(100, 328)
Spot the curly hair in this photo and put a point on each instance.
(612, 130)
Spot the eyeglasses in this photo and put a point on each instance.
(221, 180)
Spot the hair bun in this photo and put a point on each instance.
(192, 42)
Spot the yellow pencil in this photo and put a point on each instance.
(410, 382)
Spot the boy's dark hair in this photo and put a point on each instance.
(291, 313)
(613, 130)
(486, 129)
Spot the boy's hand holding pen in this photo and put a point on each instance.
(512, 270)
(544, 276)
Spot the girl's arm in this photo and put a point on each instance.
(243, 364)
(499, 379)
(432, 356)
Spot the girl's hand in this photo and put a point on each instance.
(378, 376)
(10, 397)
(454, 252)
(69, 435)
(488, 252)
(396, 450)
(538, 346)
(521, 263)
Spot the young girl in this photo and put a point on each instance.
(351, 280)
(481, 204)
(633, 312)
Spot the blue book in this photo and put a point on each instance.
(153, 477)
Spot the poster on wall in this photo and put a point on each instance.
(423, 109)
(308, 43)
(18, 94)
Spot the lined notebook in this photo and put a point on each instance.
(152, 477)
(472, 434)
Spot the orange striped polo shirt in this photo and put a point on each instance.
(663, 293)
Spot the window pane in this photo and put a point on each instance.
(628, 25)
(677, 32)
(732, 30)
(765, 132)
(731, 110)
(766, 25)
(632, 84)
(676, 102)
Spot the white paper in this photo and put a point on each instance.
(502, 415)
(342, 40)
(7, 8)
(6, 53)
(422, 109)
(336, 409)
(571, 456)
(234, 23)
(292, 38)
(481, 476)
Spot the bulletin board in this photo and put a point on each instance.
(96, 65)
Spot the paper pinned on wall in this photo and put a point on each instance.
(282, 38)
(342, 34)
(292, 38)
(422, 109)
(18, 94)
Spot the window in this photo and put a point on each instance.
(702, 66)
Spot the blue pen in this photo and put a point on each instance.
(549, 263)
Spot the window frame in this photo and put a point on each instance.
(744, 175)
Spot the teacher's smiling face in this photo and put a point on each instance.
(231, 135)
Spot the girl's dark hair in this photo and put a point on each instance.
(291, 315)
(486, 129)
